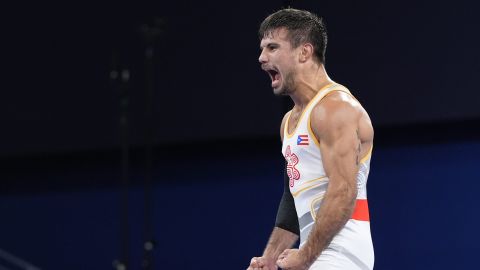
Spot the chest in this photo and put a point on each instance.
(293, 121)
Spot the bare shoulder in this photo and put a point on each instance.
(339, 111)
(335, 110)
(282, 125)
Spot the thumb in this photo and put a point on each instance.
(281, 263)
(282, 259)
(284, 254)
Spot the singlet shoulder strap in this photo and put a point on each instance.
(324, 92)
(317, 98)
(285, 125)
(334, 87)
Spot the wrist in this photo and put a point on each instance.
(307, 257)
(270, 257)
(272, 253)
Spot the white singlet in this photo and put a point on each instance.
(352, 247)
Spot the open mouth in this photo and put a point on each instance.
(274, 76)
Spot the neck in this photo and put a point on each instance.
(307, 84)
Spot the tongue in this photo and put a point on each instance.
(276, 77)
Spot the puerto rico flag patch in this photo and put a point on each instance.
(302, 140)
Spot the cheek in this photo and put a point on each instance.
(286, 69)
(288, 61)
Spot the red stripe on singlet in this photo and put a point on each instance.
(361, 211)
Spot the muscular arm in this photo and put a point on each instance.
(286, 230)
(335, 123)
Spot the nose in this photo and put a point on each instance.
(263, 57)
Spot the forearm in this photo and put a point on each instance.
(287, 218)
(337, 208)
(280, 240)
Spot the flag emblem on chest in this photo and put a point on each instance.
(302, 140)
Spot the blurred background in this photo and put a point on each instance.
(146, 136)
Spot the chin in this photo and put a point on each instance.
(279, 91)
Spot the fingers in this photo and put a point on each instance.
(253, 264)
(281, 262)
(262, 263)
(256, 263)
(284, 254)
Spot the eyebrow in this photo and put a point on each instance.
(269, 44)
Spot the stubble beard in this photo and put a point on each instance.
(288, 85)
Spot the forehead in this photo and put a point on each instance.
(279, 35)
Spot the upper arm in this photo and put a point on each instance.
(335, 122)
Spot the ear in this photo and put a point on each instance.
(306, 52)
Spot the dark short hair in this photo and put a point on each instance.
(302, 26)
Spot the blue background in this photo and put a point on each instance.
(216, 213)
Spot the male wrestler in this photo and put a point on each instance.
(327, 142)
